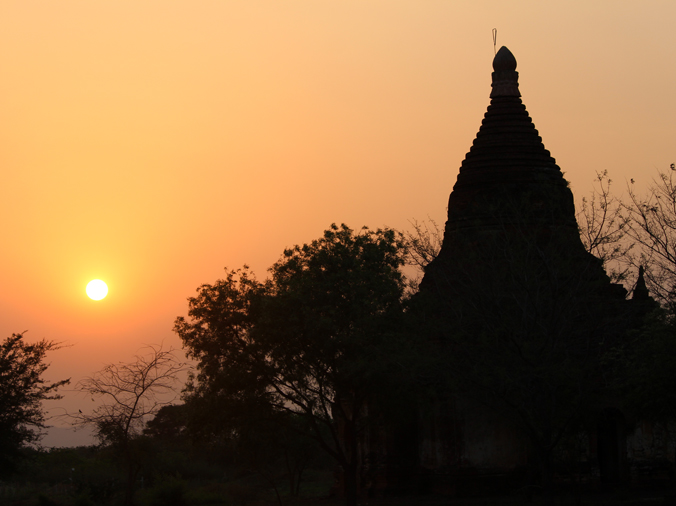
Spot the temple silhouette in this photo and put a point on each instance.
(524, 314)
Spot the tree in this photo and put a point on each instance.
(423, 244)
(652, 225)
(22, 391)
(130, 393)
(278, 448)
(315, 340)
(643, 367)
(169, 423)
(603, 229)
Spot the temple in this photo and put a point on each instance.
(509, 181)
(523, 312)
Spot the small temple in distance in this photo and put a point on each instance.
(524, 314)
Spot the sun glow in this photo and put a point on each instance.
(97, 289)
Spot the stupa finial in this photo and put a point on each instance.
(641, 290)
(505, 76)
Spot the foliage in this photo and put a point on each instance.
(173, 453)
(171, 492)
(84, 473)
(278, 448)
(178, 471)
(314, 340)
(643, 368)
(22, 391)
(169, 423)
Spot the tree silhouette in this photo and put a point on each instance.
(129, 394)
(652, 225)
(314, 340)
(603, 225)
(22, 391)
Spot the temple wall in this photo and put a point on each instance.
(464, 435)
(651, 451)
(651, 440)
(490, 443)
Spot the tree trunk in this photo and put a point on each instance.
(292, 484)
(129, 489)
(299, 476)
(351, 463)
(546, 476)
(133, 470)
(350, 484)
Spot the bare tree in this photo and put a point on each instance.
(423, 245)
(603, 229)
(129, 393)
(652, 225)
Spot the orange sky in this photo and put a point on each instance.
(153, 143)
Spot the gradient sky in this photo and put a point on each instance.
(153, 143)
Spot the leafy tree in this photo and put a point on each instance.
(316, 340)
(277, 448)
(22, 391)
(644, 366)
(170, 422)
(130, 393)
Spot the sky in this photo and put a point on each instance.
(152, 144)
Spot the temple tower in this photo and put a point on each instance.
(508, 186)
(514, 303)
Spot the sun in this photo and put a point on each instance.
(97, 289)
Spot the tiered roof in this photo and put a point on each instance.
(506, 161)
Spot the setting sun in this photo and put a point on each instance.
(97, 289)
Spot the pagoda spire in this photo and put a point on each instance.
(508, 162)
(505, 77)
(641, 290)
